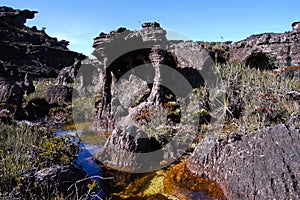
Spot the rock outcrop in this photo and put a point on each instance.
(162, 71)
(12, 92)
(27, 54)
(296, 26)
(123, 51)
(269, 50)
(59, 179)
(126, 148)
(120, 51)
(58, 94)
(28, 50)
(261, 166)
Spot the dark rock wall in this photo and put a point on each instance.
(27, 54)
(28, 50)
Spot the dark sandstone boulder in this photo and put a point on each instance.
(12, 92)
(37, 108)
(57, 179)
(58, 94)
(261, 166)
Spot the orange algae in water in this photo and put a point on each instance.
(182, 184)
(176, 182)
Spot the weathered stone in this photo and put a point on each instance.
(119, 53)
(58, 94)
(13, 17)
(11, 93)
(59, 179)
(296, 26)
(125, 148)
(68, 74)
(261, 166)
(131, 92)
(28, 50)
(268, 50)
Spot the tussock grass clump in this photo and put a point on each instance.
(256, 98)
(26, 149)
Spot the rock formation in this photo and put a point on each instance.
(58, 94)
(296, 26)
(269, 50)
(123, 50)
(143, 57)
(28, 50)
(261, 166)
(60, 179)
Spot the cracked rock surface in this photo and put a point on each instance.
(261, 166)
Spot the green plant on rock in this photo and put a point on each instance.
(57, 150)
(256, 98)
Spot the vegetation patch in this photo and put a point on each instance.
(27, 149)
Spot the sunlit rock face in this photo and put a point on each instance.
(124, 109)
(122, 51)
(269, 50)
(260, 166)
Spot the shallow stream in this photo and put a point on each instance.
(173, 182)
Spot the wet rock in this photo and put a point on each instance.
(260, 166)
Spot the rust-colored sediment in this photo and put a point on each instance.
(176, 182)
(181, 183)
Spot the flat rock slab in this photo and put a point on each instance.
(265, 165)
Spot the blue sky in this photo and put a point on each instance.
(80, 21)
